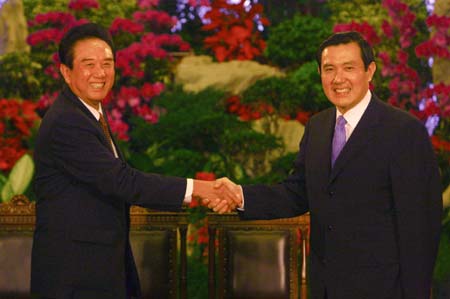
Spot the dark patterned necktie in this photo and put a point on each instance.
(338, 138)
(104, 126)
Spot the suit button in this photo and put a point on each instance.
(330, 227)
(331, 193)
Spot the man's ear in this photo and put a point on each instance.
(65, 72)
(371, 70)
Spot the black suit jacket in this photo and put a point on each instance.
(375, 217)
(81, 247)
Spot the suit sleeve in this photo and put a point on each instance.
(283, 200)
(79, 153)
(417, 196)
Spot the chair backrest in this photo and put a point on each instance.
(257, 259)
(17, 219)
(158, 240)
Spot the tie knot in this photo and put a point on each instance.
(101, 118)
(340, 122)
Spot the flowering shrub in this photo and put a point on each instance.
(297, 96)
(235, 30)
(142, 42)
(17, 118)
(437, 45)
(247, 112)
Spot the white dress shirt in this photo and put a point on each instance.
(353, 115)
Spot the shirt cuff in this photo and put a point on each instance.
(189, 190)
(241, 208)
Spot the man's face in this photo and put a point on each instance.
(92, 75)
(344, 78)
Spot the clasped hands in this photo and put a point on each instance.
(221, 195)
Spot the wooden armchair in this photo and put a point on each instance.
(257, 259)
(158, 240)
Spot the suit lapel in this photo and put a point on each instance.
(319, 141)
(74, 100)
(119, 152)
(69, 95)
(359, 139)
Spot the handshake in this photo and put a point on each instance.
(221, 195)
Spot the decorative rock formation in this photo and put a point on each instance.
(196, 73)
(441, 66)
(13, 27)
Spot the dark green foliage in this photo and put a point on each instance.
(295, 41)
(307, 80)
(299, 90)
(441, 272)
(197, 277)
(19, 76)
(280, 169)
(275, 91)
(194, 133)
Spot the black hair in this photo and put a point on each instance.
(78, 33)
(346, 38)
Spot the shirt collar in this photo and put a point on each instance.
(94, 111)
(353, 115)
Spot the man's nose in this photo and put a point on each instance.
(338, 76)
(99, 71)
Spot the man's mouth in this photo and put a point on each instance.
(97, 85)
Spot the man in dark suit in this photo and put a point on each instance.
(367, 174)
(84, 187)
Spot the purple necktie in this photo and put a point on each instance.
(338, 138)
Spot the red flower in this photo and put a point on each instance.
(155, 19)
(54, 18)
(235, 35)
(387, 29)
(125, 25)
(147, 3)
(119, 127)
(147, 114)
(194, 203)
(83, 4)
(440, 22)
(149, 90)
(303, 117)
(45, 37)
(20, 114)
(46, 100)
(11, 149)
(364, 28)
(402, 57)
(440, 144)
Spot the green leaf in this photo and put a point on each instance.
(3, 181)
(21, 174)
(7, 192)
